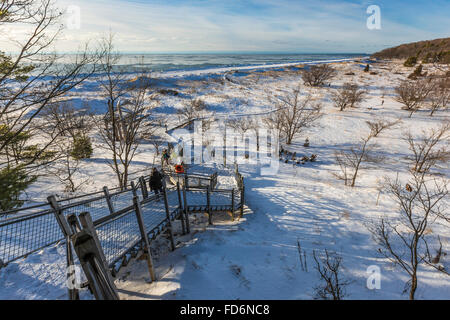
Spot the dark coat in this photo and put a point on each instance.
(156, 181)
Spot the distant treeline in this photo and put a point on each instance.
(432, 51)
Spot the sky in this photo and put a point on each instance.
(284, 26)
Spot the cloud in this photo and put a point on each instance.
(246, 25)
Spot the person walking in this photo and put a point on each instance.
(156, 183)
(165, 158)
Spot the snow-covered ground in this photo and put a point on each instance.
(257, 257)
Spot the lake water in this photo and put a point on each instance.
(180, 62)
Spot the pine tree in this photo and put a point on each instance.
(12, 183)
(81, 148)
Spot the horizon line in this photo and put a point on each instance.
(230, 52)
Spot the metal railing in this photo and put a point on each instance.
(25, 231)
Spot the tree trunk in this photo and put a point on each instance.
(413, 286)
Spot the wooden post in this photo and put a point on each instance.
(232, 204)
(169, 222)
(133, 189)
(180, 209)
(63, 224)
(242, 199)
(143, 188)
(208, 205)
(89, 251)
(108, 200)
(73, 223)
(67, 232)
(73, 292)
(87, 223)
(186, 213)
(147, 252)
(186, 181)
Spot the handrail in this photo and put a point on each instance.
(25, 235)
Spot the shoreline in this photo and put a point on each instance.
(218, 70)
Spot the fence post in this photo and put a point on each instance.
(67, 232)
(208, 205)
(64, 225)
(232, 204)
(186, 213)
(133, 189)
(180, 209)
(147, 253)
(108, 200)
(186, 180)
(87, 244)
(242, 198)
(143, 188)
(87, 223)
(166, 203)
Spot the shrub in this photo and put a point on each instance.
(81, 148)
(349, 96)
(417, 73)
(413, 94)
(317, 75)
(13, 181)
(410, 62)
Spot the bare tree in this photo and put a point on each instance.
(67, 126)
(194, 109)
(413, 94)
(67, 169)
(31, 79)
(404, 240)
(274, 121)
(430, 149)
(294, 114)
(68, 120)
(241, 125)
(380, 125)
(351, 161)
(329, 268)
(317, 75)
(131, 117)
(348, 97)
(254, 126)
(22, 100)
(440, 95)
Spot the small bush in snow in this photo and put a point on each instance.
(329, 268)
(413, 94)
(317, 75)
(410, 62)
(417, 73)
(440, 95)
(351, 161)
(13, 181)
(380, 125)
(348, 97)
(81, 148)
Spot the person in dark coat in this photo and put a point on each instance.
(156, 183)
